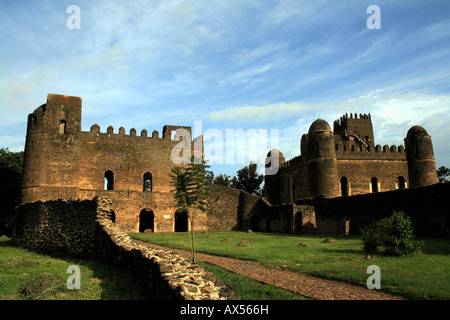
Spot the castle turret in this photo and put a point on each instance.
(322, 162)
(420, 157)
(51, 147)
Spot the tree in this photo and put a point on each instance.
(190, 192)
(223, 180)
(248, 179)
(443, 174)
(10, 182)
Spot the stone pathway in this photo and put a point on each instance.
(298, 283)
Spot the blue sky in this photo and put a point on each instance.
(244, 64)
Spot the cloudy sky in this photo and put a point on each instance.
(230, 65)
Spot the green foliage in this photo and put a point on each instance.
(223, 180)
(443, 174)
(10, 183)
(190, 192)
(394, 233)
(248, 179)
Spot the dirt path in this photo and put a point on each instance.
(298, 283)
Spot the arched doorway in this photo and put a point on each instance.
(401, 182)
(254, 223)
(146, 220)
(181, 220)
(344, 186)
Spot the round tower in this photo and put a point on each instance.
(420, 157)
(322, 161)
(51, 148)
(274, 161)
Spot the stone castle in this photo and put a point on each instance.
(63, 162)
(346, 162)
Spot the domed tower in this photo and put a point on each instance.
(272, 190)
(322, 162)
(51, 148)
(420, 157)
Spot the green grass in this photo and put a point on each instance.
(19, 268)
(423, 276)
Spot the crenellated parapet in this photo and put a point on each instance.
(96, 132)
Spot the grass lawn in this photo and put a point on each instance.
(423, 276)
(21, 268)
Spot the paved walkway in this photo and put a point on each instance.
(298, 283)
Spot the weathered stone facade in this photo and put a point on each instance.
(63, 162)
(346, 162)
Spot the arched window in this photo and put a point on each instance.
(62, 127)
(344, 186)
(147, 181)
(172, 134)
(374, 184)
(109, 180)
(401, 182)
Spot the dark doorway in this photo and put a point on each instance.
(146, 221)
(401, 183)
(287, 227)
(374, 184)
(254, 223)
(344, 186)
(181, 221)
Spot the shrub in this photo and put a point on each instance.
(371, 239)
(394, 233)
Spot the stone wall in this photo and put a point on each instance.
(83, 228)
(426, 206)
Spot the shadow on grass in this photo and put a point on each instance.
(114, 283)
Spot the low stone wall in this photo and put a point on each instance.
(426, 206)
(84, 228)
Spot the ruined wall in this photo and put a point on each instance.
(83, 228)
(63, 162)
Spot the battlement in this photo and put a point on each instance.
(167, 132)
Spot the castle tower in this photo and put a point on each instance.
(272, 188)
(355, 128)
(420, 157)
(51, 147)
(322, 162)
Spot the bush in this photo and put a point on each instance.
(394, 233)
